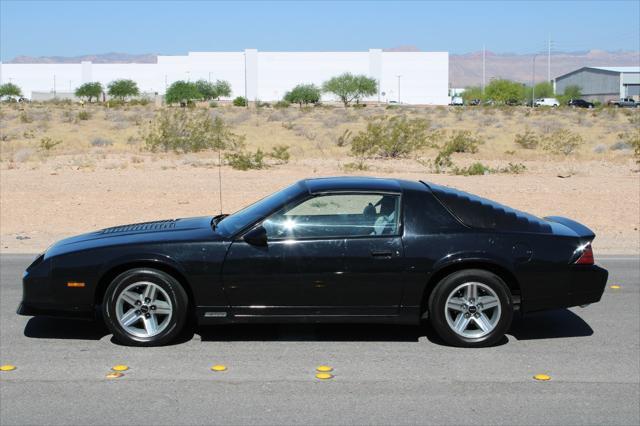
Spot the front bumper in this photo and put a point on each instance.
(587, 284)
(27, 309)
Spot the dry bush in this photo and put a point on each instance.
(393, 137)
(527, 140)
(562, 141)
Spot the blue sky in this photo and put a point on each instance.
(69, 28)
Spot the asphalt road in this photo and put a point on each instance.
(383, 375)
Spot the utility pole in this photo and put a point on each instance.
(533, 82)
(399, 76)
(54, 85)
(209, 76)
(549, 58)
(484, 54)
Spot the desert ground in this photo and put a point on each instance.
(61, 174)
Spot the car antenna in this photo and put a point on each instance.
(220, 177)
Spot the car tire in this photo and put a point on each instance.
(471, 308)
(145, 307)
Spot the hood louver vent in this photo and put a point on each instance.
(138, 227)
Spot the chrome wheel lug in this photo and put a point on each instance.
(147, 300)
(137, 312)
(153, 307)
(466, 315)
(147, 316)
(138, 303)
(477, 315)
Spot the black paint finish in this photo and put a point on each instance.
(377, 278)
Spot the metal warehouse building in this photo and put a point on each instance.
(602, 83)
(407, 77)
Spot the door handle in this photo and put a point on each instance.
(381, 253)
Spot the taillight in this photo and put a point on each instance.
(586, 258)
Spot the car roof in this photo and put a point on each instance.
(352, 183)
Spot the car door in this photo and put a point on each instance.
(301, 269)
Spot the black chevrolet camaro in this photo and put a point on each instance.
(341, 249)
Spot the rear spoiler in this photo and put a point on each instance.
(580, 230)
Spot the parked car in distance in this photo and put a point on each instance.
(324, 250)
(474, 102)
(457, 101)
(623, 103)
(580, 103)
(550, 102)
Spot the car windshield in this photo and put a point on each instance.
(256, 211)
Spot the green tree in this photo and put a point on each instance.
(240, 101)
(542, 90)
(89, 91)
(123, 88)
(503, 91)
(207, 89)
(182, 91)
(349, 87)
(303, 94)
(471, 93)
(570, 92)
(222, 89)
(10, 90)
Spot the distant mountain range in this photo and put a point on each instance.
(464, 69)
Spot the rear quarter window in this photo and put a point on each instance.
(425, 215)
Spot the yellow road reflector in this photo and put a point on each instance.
(219, 368)
(120, 367)
(324, 369)
(542, 377)
(7, 367)
(615, 287)
(75, 284)
(114, 375)
(324, 376)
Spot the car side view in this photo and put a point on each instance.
(344, 249)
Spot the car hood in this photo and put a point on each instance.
(161, 231)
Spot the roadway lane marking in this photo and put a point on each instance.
(542, 377)
(324, 376)
(120, 367)
(114, 375)
(324, 369)
(219, 368)
(7, 367)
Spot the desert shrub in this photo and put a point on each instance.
(344, 138)
(600, 148)
(114, 103)
(101, 142)
(140, 101)
(355, 166)
(47, 143)
(511, 168)
(189, 131)
(462, 141)
(632, 139)
(562, 141)
(281, 104)
(393, 137)
(25, 117)
(302, 131)
(213, 104)
(244, 160)
(634, 118)
(527, 140)
(280, 153)
(474, 169)
(619, 145)
(83, 115)
(240, 101)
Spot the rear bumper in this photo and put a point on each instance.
(587, 284)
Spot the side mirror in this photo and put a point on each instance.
(257, 236)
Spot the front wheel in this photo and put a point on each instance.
(471, 308)
(145, 307)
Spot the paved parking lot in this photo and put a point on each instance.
(383, 374)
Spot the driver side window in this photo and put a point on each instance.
(337, 215)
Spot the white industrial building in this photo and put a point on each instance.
(407, 77)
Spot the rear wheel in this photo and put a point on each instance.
(471, 308)
(145, 307)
